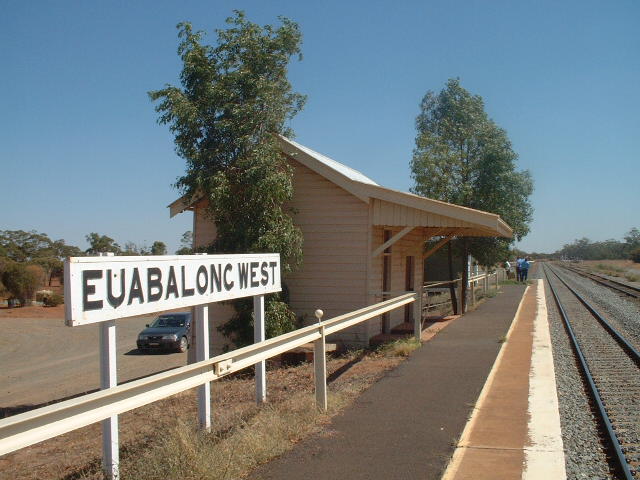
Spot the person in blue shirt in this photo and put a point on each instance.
(524, 269)
(519, 261)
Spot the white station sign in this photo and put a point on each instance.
(104, 288)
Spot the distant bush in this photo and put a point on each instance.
(22, 281)
(53, 300)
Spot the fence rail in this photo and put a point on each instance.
(481, 280)
(25, 429)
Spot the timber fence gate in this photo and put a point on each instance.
(37, 425)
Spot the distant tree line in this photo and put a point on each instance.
(31, 260)
(585, 249)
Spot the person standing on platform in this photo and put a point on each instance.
(519, 261)
(524, 269)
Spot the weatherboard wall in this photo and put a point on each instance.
(333, 277)
(409, 245)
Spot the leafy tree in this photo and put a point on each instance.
(463, 157)
(234, 101)
(158, 248)
(22, 280)
(132, 249)
(22, 246)
(37, 248)
(632, 240)
(101, 244)
(186, 244)
(585, 249)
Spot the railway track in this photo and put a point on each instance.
(621, 287)
(611, 369)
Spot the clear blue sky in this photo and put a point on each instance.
(80, 149)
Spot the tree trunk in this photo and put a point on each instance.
(452, 287)
(465, 275)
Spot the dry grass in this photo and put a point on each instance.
(186, 453)
(616, 268)
(400, 348)
(161, 441)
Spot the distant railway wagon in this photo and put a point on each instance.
(362, 242)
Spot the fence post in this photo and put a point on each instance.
(320, 366)
(108, 379)
(417, 316)
(258, 336)
(201, 321)
(472, 284)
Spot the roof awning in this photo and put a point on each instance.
(391, 208)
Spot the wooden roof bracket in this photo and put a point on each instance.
(437, 246)
(391, 241)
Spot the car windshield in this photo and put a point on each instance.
(168, 321)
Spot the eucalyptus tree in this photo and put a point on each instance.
(233, 102)
(101, 244)
(461, 156)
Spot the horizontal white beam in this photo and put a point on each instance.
(27, 428)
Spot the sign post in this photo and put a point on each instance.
(258, 336)
(105, 288)
(201, 320)
(108, 379)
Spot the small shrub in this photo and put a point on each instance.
(22, 281)
(611, 270)
(632, 277)
(53, 300)
(400, 348)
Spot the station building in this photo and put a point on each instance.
(363, 242)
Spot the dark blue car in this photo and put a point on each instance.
(170, 331)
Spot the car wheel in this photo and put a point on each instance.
(184, 344)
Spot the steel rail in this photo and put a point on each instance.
(621, 461)
(34, 426)
(631, 350)
(621, 287)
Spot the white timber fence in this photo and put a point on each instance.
(482, 281)
(37, 425)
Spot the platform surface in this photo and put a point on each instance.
(407, 425)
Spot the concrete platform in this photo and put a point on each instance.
(409, 423)
(514, 431)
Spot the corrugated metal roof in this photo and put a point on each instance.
(331, 163)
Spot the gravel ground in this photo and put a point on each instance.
(621, 311)
(584, 456)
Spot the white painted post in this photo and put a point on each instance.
(201, 325)
(258, 336)
(108, 379)
(320, 366)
